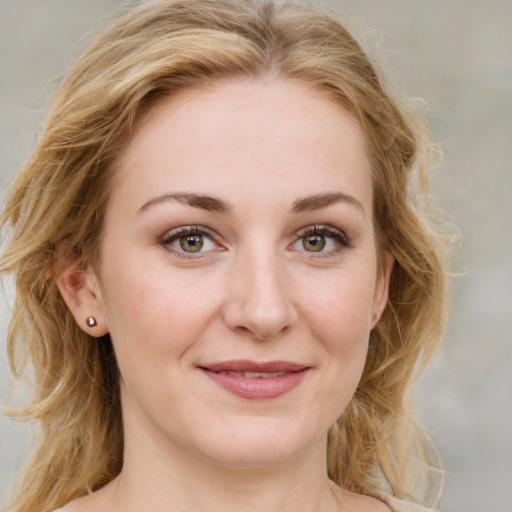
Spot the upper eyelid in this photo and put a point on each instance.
(185, 230)
(318, 228)
(323, 229)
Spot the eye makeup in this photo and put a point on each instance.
(190, 241)
(195, 241)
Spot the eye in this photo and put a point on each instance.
(186, 241)
(314, 243)
(321, 238)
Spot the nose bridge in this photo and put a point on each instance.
(260, 297)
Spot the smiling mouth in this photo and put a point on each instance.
(256, 381)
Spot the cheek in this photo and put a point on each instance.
(338, 316)
(338, 320)
(339, 307)
(152, 313)
(155, 323)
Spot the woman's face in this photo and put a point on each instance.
(238, 275)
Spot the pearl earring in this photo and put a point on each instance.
(91, 321)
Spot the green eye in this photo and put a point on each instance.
(321, 240)
(313, 243)
(191, 243)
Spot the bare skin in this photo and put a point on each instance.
(239, 228)
(337, 500)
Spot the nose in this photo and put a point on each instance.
(259, 301)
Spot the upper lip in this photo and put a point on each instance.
(243, 365)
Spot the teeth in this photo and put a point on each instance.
(263, 375)
(255, 375)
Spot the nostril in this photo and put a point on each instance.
(261, 326)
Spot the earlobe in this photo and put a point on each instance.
(382, 290)
(79, 288)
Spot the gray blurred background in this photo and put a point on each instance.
(456, 55)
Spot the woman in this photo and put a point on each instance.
(225, 281)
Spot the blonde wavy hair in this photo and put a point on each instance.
(58, 203)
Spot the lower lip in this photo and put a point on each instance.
(258, 388)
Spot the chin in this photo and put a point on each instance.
(259, 445)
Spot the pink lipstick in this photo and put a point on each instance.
(256, 381)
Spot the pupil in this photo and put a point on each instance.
(191, 243)
(314, 243)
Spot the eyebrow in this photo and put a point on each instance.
(323, 200)
(213, 204)
(204, 202)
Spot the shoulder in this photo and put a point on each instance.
(396, 505)
(377, 505)
(95, 502)
(354, 501)
(75, 505)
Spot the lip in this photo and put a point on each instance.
(256, 388)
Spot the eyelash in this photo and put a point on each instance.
(316, 229)
(328, 231)
(175, 234)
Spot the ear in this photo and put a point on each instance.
(380, 297)
(79, 288)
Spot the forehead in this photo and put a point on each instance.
(244, 138)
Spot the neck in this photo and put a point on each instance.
(226, 490)
(164, 480)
